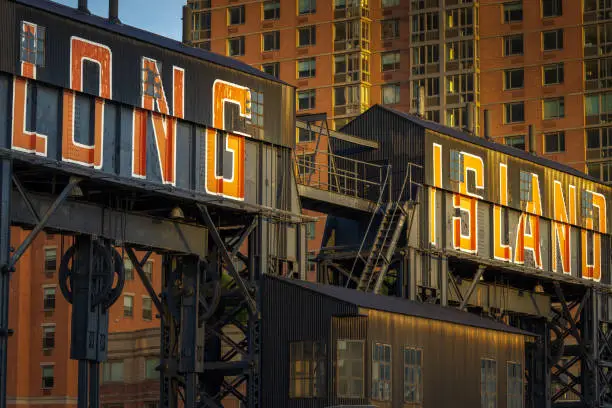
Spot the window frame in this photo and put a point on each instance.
(507, 14)
(50, 270)
(128, 311)
(311, 70)
(511, 383)
(390, 67)
(312, 9)
(338, 376)
(557, 4)
(381, 367)
(515, 137)
(560, 144)
(525, 187)
(418, 385)
(147, 313)
(241, 15)
(275, 41)
(508, 45)
(49, 302)
(560, 108)
(312, 36)
(508, 113)
(32, 45)
(316, 377)
(241, 46)
(276, 10)
(275, 69)
(397, 90)
(394, 24)
(44, 384)
(485, 381)
(559, 40)
(48, 342)
(559, 68)
(311, 96)
(507, 77)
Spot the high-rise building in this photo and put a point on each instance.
(544, 63)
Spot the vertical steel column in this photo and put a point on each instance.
(167, 388)
(443, 280)
(5, 272)
(254, 335)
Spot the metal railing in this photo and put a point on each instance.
(329, 172)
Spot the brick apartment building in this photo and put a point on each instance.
(41, 372)
(546, 63)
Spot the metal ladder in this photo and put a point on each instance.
(383, 247)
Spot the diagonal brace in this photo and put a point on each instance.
(42, 222)
(247, 231)
(145, 280)
(212, 229)
(26, 199)
(477, 277)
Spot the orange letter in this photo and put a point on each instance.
(530, 241)
(72, 151)
(593, 271)
(23, 140)
(178, 92)
(561, 228)
(502, 251)
(216, 181)
(465, 203)
(437, 183)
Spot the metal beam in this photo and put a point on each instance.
(479, 272)
(26, 199)
(247, 231)
(5, 275)
(145, 279)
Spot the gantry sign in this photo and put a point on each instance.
(110, 133)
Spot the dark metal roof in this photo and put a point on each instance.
(146, 36)
(511, 151)
(402, 306)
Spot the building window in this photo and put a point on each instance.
(514, 112)
(587, 204)
(390, 29)
(201, 27)
(148, 270)
(381, 372)
(390, 3)
(390, 61)
(390, 94)
(488, 383)
(413, 375)
(517, 142)
(598, 73)
(525, 187)
(552, 40)
(48, 340)
(425, 27)
(461, 21)
(513, 12)
(48, 376)
(514, 78)
(272, 69)
(306, 99)
(257, 111)
(271, 10)
(553, 74)
(128, 305)
(50, 260)
(151, 365)
(310, 230)
(128, 269)
(456, 166)
(307, 36)
(147, 308)
(49, 299)
(554, 142)
(236, 15)
(599, 104)
(307, 369)
(515, 386)
(151, 81)
(307, 6)
(306, 163)
(306, 68)
(461, 52)
(112, 371)
(350, 368)
(235, 46)
(271, 41)
(552, 8)
(199, 4)
(33, 39)
(554, 108)
(599, 143)
(305, 135)
(346, 67)
(513, 45)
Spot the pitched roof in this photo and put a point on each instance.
(403, 306)
(146, 36)
(509, 150)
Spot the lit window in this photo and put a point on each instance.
(488, 383)
(456, 166)
(128, 305)
(513, 45)
(307, 6)
(50, 260)
(390, 94)
(552, 40)
(413, 375)
(151, 365)
(48, 376)
(272, 69)
(554, 108)
(554, 142)
(128, 268)
(526, 183)
(306, 99)
(33, 39)
(350, 368)
(515, 386)
(236, 15)
(271, 10)
(48, 340)
(381, 372)
(513, 12)
(235, 46)
(553, 74)
(271, 41)
(514, 78)
(306, 68)
(147, 308)
(307, 369)
(49, 299)
(112, 371)
(514, 112)
(518, 142)
(307, 36)
(552, 8)
(390, 61)
(390, 29)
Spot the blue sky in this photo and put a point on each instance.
(162, 17)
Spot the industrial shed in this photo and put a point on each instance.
(325, 346)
